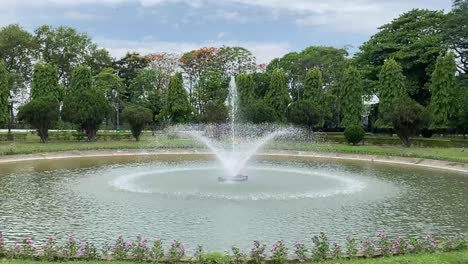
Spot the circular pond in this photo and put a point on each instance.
(180, 197)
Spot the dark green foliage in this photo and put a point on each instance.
(262, 84)
(214, 112)
(415, 40)
(41, 113)
(314, 92)
(259, 112)
(84, 105)
(304, 113)
(4, 93)
(212, 88)
(460, 119)
(45, 82)
(177, 107)
(245, 89)
(137, 116)
(277, 96)
(17, 49)
(147, 89)
(354, 134)
(443, 88)
(128, 68)
(313, 87)
(457, 3)
(351, 97)
(246, 92)
(408, 118)
(329, 60)
(214, 258)
(456, 33)
(66, 48)
(391, 87)
(43, 109)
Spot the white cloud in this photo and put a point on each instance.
(76, 15)
(263, 51)
(221, 35)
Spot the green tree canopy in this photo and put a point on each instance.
(45, 82)
(415, 40)
(408, 118)
(177, 108)
(211, 88)
(277, 96)
(391, 87)
(137, 116)
(109, 83)
(329, 60)
(4, 93)
(41, 113)
(351, 97)
(456, 33)
(259, 112)
(304, 113)
(129, 66)
(84, 105)
(443, 90)
(17, 49)
(66, 48)
(313, 86)
(262, 84)
(246, 92)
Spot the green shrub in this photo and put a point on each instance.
(354, 134)
(13, 137)
(137, 116)
(215, 258)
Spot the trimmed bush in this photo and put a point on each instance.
(215, 258)
(13, 136)
(354, 134)
(137, 117)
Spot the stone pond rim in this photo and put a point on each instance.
(397, 160)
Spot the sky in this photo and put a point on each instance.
(269, 28)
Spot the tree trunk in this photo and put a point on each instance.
(91, 133)
(10, 120)
(43, 134)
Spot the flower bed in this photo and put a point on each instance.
(143, 250)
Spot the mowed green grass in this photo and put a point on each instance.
(457, 257)
(32, 145)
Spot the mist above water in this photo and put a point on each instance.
(235, 143)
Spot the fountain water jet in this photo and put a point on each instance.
(235, 157)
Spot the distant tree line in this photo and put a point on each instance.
(417, 66)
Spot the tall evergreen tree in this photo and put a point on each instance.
(246, 89)
(177, 107)
(4, 93)
(43, 109)
(443, 88)
(391, 87)
(277, 96)
(351, 97)
(246, 93)
(45, 82)
(84, 105)
(313, 87)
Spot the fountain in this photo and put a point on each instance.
(236, 152)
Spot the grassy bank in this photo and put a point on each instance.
(163, 142)
(457, 257)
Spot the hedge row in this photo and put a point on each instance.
(13, 136)
(67, 136)
(381, 140)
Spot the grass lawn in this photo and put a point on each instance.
(163, 142)
(458, 257)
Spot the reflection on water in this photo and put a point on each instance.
(175, 197)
